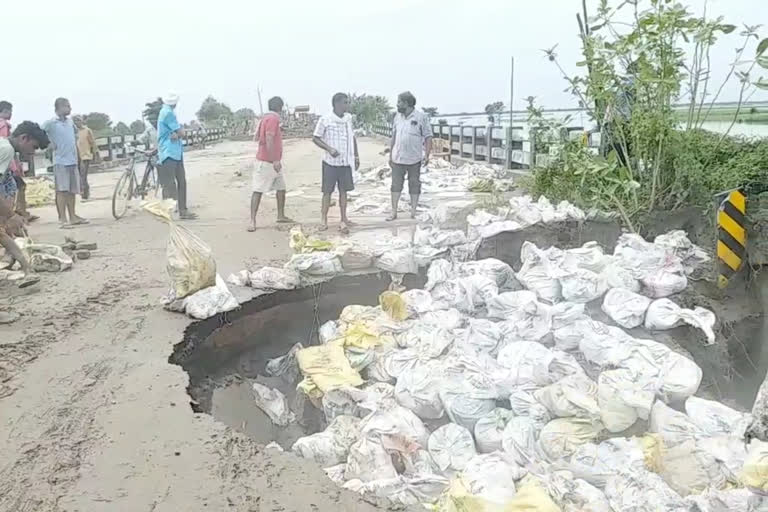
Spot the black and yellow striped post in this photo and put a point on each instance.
(731, 235)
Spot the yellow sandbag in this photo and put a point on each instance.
(653, 451)
(362, 335)
(326, 367)
(189, 260)
(755, 471)
(299, 243)
(531, 497)
(39, 192)
(393, 304)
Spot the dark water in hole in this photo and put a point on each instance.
(223, 358)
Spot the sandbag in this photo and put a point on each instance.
(664, 314)
(646, 492)
(714, 500)
(674, 427)
(537, 274)
(418, 301)
(418, 389)
(467, 294)
(575, 395)
(209, 301)
(480, 336)
(242, 278)
(326, 367)
(492, 477)
(316, 264)
(274, 404)
(623, 397)
(616, 276)
(451, 447)
(581, 286)
(354, 256)
(575, 494)
(532, 321)
(436, 237)
(677, 242)
(393, 304)
(679, 377)
(528, 361)
(519, 440)
(566, 313)
(626, 308)
(688, 469)
(489, 430)
(465, 404)
(398, 261)
(523, 403)
(369, 461)
(501, 273)
(285, 366)
(271, 278)
(189, 260)
(665, 281)
(716, 419)
(395, 421)
(561, 437)
(331, 446)
(755, 473)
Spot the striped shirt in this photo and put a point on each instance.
(409, 133)
(335, 131)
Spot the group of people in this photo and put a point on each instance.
(410, 148)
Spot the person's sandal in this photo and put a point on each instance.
(188, 216)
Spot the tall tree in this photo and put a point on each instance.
(122, 129)
(137, 126)
(494, 109)
(213, 111)
(368, 109)
(244, 114)
(430, 111)
(152, 111)
(98, 121)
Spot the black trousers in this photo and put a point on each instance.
(173, 179)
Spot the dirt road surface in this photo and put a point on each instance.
(92, 416)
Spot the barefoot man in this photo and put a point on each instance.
(26, 139)
(63, 136)
(411, 145)
(334, 133)
(268, 174)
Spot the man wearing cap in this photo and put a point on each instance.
(170, 150)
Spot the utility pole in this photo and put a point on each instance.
(261, 107)
(511, 111)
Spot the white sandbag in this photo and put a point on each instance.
(563, 365)
(398, 261)
(467, 294)
(501, 273)
(465, 404)
(427, 340)
(508, 303)
(329, 331)
(419, 462)
(400, 491)
(395, 420)
(575, 494)
(575, 395)
(451, 447)
(439, 271)
(491, 477)
(532, 322)
(616, 276)
(340, 402)
(730, 453)
(626, 308)
(479, 219)
(369, 461)
(617, 456)
(688, 469)
(418, 388)
(679, 377)
(523, 403)
(274, 404)
(663, 314)
(566, 313)
(755, 472)
(528, 361)
(561, 437)
(354, 256)
(674, 427)
(331, 446)
(480, 336)
(641, 258)
(524, 211)
(623, 397)
(376, 395)
(418, 301)
(666, 281)
(537, 274)
(285, 366)
(717, 419)
(436, 237)
(489, 430)
(581, 286)
(713, 500)
(336, 473)
(445, 319)
(424, 255)
(242, 278)
(646, 492)
(519, 440)
(314, 264)
(210, 301)
(678, 243)
(589, 256)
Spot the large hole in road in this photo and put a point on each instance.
(224, 355)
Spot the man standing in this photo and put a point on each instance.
(170, 149)
(6, 112)
(411, 145)
(334, 133)
(88, 151)
(26, 139)
(63, 135)
(268, 174)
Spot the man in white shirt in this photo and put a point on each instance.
(334, 133)
(411, 145)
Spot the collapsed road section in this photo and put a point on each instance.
(559, 375)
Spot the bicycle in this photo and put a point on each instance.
(126, 188)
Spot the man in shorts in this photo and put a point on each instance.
(88, 151)
(170, 156)
(411, 145)
(334, 133)
(27, 138)
(63, 136)
(268, 173)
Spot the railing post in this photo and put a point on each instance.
(508, 161)
(532, 142)
(461, 141)
(125, 150)
(489, 144)
(110, 152)
(474, 143)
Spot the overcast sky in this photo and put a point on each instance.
(452, 54)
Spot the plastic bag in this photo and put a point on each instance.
(626, 308)
(328, 332)
(190, 262)
(492, 477)
(271, 278)
(209, 301)
(369, 461)
(674, 427)
(561, 437)
(274, 404)
(664, 314)
(300, 243)
(331, 446)
(623, 397)
(451, 447)
(418, 389)
(575, 395)
(716, 419)
(325, 367)
(489, 430)
(519, 440)
(285, 366)
(398, 261)
(688, 469)
(316, 264)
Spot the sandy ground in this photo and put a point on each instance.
(92, 416)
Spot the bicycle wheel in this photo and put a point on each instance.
(123, 194)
